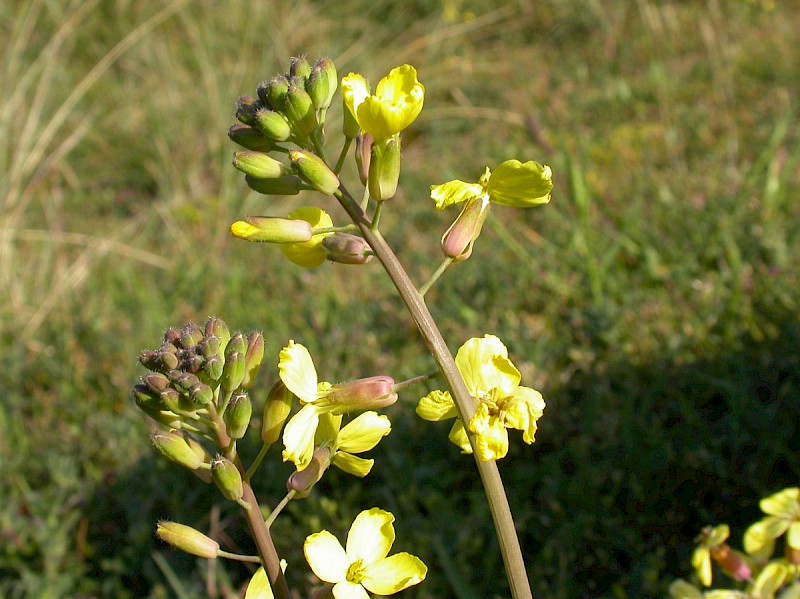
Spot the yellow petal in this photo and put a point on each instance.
(769, 580)
(352, 464)
(328, 429)
(701, 562)
(471, 358)
(258, 587)
(349, 590)
(793, 536)
(454, 192)
(355, 89)
(364, 432)
(680, 589)
(297, 371)
(371, 536)
(298, 436)
(396, 104)
(784, 503)
(309, 254)
(458, 435)
(491, 437)
(520, 185)
(758, 539)
(326, 557)
(393, 574)
(500, 374)
(436, 406)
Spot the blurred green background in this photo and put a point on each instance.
(653, 302)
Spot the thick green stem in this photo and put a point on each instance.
(490, 476)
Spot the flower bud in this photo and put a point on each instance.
(253, 357)
(233, 371)
(237, 415)
(201, 452)
(731, 561)
(192, 361)
(299, 67)
(156, 382)
(313, 170)
(303, 481)
(272, 124)
(364, 143)
(187, 539)
(246, 107)
(345, 248)
(201, 394)
(210, 346)
(167, 356)
(216, 327)
(227, 478)
(175, 448)
(273, 92)
(272, 229)
(362, 394)
(258, 165)
(457, 241)
(322, 83)
(173, 336)
(289, 185)
(250, 138)
(150, 404)
(299, 109)
(276, 410)
(212, 370)
(191, 335)
(236, 343)
(384, 169)
(174, 402)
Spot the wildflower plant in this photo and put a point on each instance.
(201, 391)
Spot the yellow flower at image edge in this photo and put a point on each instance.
(395, 105)
(503, 403)
(363, 565)
(783, 516)
(309, 254)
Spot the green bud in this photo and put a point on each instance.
(216, 327)
(201, 452)
(237, 343)
(384, 169)
(174, 402)
(458, 240)
(201, 394)
(237, 415)
(267, 229)
(175, 448)
(210, 346)
(322, 83)
(250, 138)
(246, 107)
(345, 248)
(187, 539)
(168, 356)
(276, 410)
(212, 370)
(303, 481)
(313, 170)
(253, 357)
(272, 124)
(283, 186)
(258, 165)
(299, 109)
(364, 143)
(182, 381)
(227, 478)
(191, 335)
(274, 92)
(299, 67)
(362, 394)
(233, 372)
(150, 404)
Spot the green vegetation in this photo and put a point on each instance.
(653, 302)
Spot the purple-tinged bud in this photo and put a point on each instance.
(246, 107)
(299, 67)
(250, 138)
(345, 248)
(276, 411)
(299, 109)
(187, 539)
(210, 346)
(168, 356)
(313, 170)
(289, 185)
(458, 240)
(216, 327)
(192, 361)
(272, 229)
(364, 143)
(175, 448)
(149, 358)
(227, 478)
(362, 394)
(272, 124)
(191, 335)
(156, 382)
(384, 169)
(322, 83)
(182, 381)
(173, 336)
(732, 562)
(258, 165)
(253, 357)
(303, 481)
(237, 415)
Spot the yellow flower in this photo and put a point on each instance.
(360, 434)
(363, 566)
(511, 184)
(709, 539)
(311, 253)
(783, 515)
(394, 106)
(493, 381)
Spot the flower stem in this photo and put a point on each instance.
(342, 155)
(257, 462)
(279, 508)
(417, 379)
(435, 276)
(490, 476)
(253, 559)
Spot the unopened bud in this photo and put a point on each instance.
(156, 382)
(299, 67)
(227, 478)
(216, 327)
(289, 185)
(201, 452)
(273, 92)
(246, 107)
(187, 539)
(173, 336)
(250, 138)
(299, 109)
(253, 357)
(345, 248)
(212, 370)
(731, 561)
(303, 481)
(201, 394)
(364, 143)
(168, 356)
(272, 229)
(458, 240)
(384, 169)
(276, 410)
(174, 402)
(237, 415)
(191, 335)
(272, 124)
(233, 371)
(313, 170)
(322, 83)
(175, 448)
(363, 394)
(258, 165)
(150, 404)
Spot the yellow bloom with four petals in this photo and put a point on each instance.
(783, 516)
(359, 435)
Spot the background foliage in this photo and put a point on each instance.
(654, 302)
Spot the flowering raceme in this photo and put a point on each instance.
(493, 381)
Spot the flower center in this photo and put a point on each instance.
(354, 574)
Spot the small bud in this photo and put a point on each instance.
(299, 109)
(458, 240)
(150, 360)
(253, 357)
(175, 448)
(150, 404)
(201, 394)
(173, 336)
(250, 138)
(174, 402)
(233, 371)
(283, 186)
(258, 165)
(322, 83)
(212, 370)
(216, 327)
(156, 382)
(192, 361)
(345, 248)
(274, 91)
(191, 335)
(246, 107)
(227, 478)
(384, 169)
(364, 143)
(303, 481)
(168, 356)
(731, 561)
(237, 415)
(187, 539)
(363, 394)
(182, 381)
(299, 67)
(210, 346)
(272, 229)
(313, 170)
(276, 410)
(272, 124)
